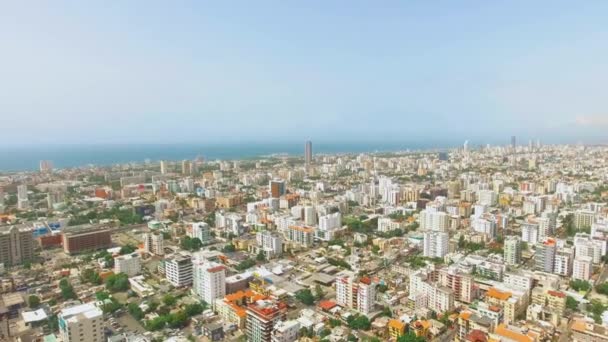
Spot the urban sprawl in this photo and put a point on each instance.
(495, 243)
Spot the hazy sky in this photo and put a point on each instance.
(153, 71)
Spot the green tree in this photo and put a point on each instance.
(127, 249)
(33, 301)
(135, 311)
(571, 303)
(117, 282)
(360, 322)
(410, 337)
(581, 285)
(194, 309)
(169, 300)
(261, 257)
(305, 296)
(229, 248)
(319, 294)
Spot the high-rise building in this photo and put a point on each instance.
(359, 295)
(46, 166)
(308, 152)
(81, 323)
(186, 167)
(270, 243)
(328, 225)
(163, 167)
(154, 243)
(201, 231)
(277, 188)
(262, 316)
(512, 250)
(178, 270)
(582, 268)
(16, 245)
(129, 264)
(22, 198)
(302, 236)
(513, 142)
(209, 281)
(434, 220)
(529, 233)
(435, 244)
(545, 256)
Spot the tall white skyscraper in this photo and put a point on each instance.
(163, 167)
(435, 244)
(209, 282)
(154, 243)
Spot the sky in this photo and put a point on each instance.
(97, 72)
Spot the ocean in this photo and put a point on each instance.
(66, 156)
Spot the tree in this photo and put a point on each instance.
(193, 309)
(261, 257)
(375, 249)
(67, 291)
(229, 248)
(334, 322)
(90, 276)
(117, 282)
(571, 303)
(102, 295)
(582, 285)
(127, 249)
(386, 311)
(33, 301)
(360, 322)
(319, 294)
(177, 320)
(191, 244)
(305, 296)
(601, 288)
(245, 264)
(169, 300)
(135, 311)
(410, 337)
(382, 288)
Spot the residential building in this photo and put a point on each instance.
(512, 250)
(16, 245)
(544, 259)
(582, 268)
(435, 244)
(201, 231)
(301, 236)
(358, 295)
(285, 331)
(262, 316)
(270, 243)
(277, 188)
(178, 270)
(81, 323)
(129, 264)
(154, 243)
(209, 281)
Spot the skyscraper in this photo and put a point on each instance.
(512, 250)
(513, 142)
(308, 152)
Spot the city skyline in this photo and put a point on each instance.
(96, 74)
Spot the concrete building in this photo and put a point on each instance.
(277, 188)
(81, 323)
(270, 243)
(262, 316)
(154, 243)
(286, 331)
(308, 153)
(178, 270)
(544, 260)
(438, 221)
(129, 264)
(529, 233)
(435, 244)
(16, 245)
(301, 236)
(358, 295)
(201, 231)
(209, 281)
(512, 250)
(582, 268)
(86, 238)
(328, 224)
